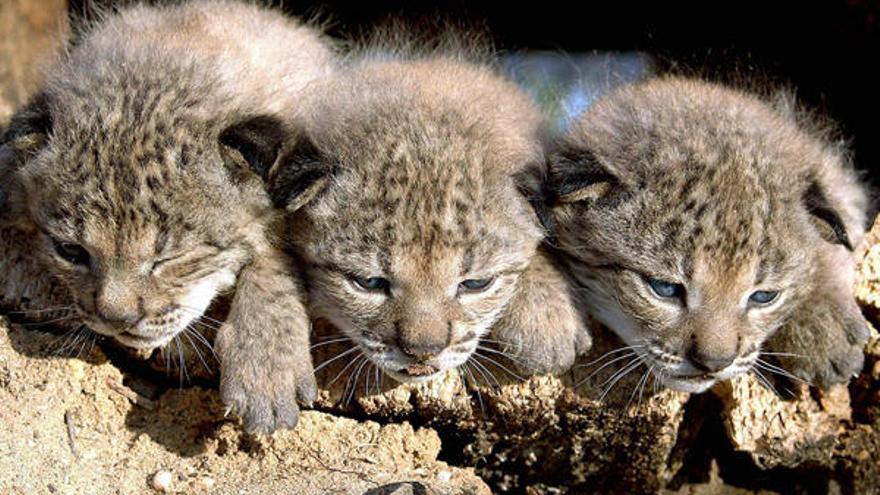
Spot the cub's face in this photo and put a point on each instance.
(695, 286)
(142, 226)
(694, 223)
(413, 267)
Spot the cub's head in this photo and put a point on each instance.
(413, 232)
(143, 208)
(695, 217)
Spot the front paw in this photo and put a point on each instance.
(825, 346)
(266, 397)
(544, 342)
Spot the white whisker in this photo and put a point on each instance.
(338, 356)
(476, 386)
(195, 349)
(355, 360)
(764, 365)
(329, 342)
(620, 374)
(496, 363)
(487, 375)
(765, 381)
(503, 354)
(609, 363)
(357, 375)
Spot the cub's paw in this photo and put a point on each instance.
(548, 341)
(826, 345)
(266, 395)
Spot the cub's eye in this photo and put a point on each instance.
(763, 296)
(73, 253)
(371, 284)
(476, 285)
(666, 290)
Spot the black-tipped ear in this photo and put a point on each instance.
(578, 176)
(825, 217)
(258, 140)
(26, 134)
(301, 173)
(532, 184)
(28, 130)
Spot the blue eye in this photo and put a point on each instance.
(372, 284)
(763, 296)
(666, 290)
(476, 285)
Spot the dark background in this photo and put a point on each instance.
(829, 50)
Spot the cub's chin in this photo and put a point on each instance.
(134, 338)
(691, 385)
(143, 343)
(700, 382)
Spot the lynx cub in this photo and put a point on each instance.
(414, 235)
(129, 178)
(708, 226)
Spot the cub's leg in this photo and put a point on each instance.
(827, 333)
(542, 326)
(263, 346)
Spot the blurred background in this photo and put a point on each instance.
(567, 52)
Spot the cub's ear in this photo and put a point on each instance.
(27, 133)
(531, 183)
(289, 164)
(824, 215)
(256, 140)
(577, 176)
(302, 173)
(29, 129)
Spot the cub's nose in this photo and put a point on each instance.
(118, 318)
(421, 351)
(709, 363)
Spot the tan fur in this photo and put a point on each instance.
(696, 184)
(419, 155)
(133, 157)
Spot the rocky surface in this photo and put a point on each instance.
(81, 425)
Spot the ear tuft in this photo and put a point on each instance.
(825, 217)
(577, 176)
(301, 174)
(259, 140)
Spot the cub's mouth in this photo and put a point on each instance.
(414, 373)
(143, 341)
(417, 370)
(131, 337)
(698, 382)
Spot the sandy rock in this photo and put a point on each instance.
(99, 440)
(867, 287)
(778, 432)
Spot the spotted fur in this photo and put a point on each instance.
(410, 164)
(724, 194)
(131, 176)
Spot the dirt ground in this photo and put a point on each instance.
(68, 427)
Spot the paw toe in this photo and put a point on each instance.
(307, 390)
(286, 415)
(857, 333)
